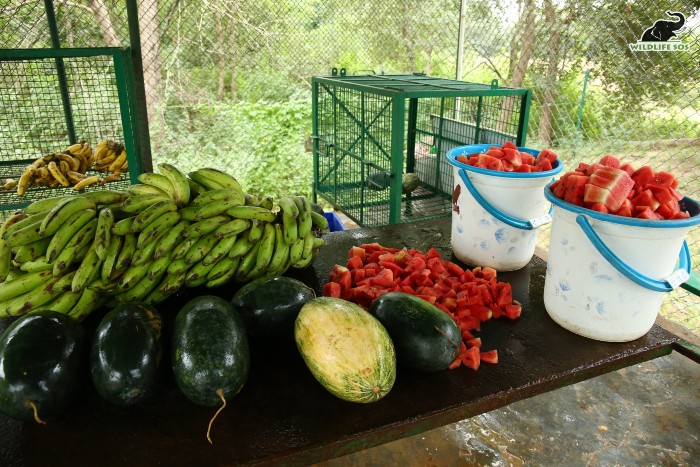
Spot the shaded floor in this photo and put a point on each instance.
(648, 414)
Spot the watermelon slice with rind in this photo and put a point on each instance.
(617, 182)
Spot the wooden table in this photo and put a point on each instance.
(283, 416)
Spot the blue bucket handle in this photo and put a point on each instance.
(500, 215)
(668, 284)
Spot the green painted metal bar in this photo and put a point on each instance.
(411, 135)
(315, 138)
(126, 109)
(479, 114)
(143, 149)
(364, 172)
(398, 117)
(579, 116)
(438, 149)
(31, 54)
(688, 349)
(521, 138)
(60, 71)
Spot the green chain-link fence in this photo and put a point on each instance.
(228, 81)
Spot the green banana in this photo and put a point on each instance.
(197, 275)
(200, 249)
(125, 255)
(14, 223)
(25, 236)
(172, 283)
(156, 296)
(67, 231)
(144, 254)
(318, 243)
(241, 247)
(23, 284)
(304, 221)
(223, 194)
(225, 266)
(247, 264)
(288, 205)
(296, 250)
(158, 268)
(62, 212)
(64, 303)
(35, 298)
(221, 249)
(89, 300)
(138, 291)
(215, 208)
(87, 271)
(319, 221)
(281, 254)
(195, 189)
(252, 212)
(70, 253)
(5, 259)
(206, 226)
(307, 253)
(218, 177)
(232, 228)
(178, 267)
(183, 247)
(267, 247)
(17, 216)
(45, 204)
(36, 266)
(122, 227)
(133, 276)
(32, 251)
(256, 230)
(136, 204)
(103, 233)
(179, 183)
(105, 197)
(267, 203)
(110, 260)
(251, 200)
(157, 228)
(289, 227)
(143, 189)
(151, 213)
(166, 243)
(159, 181)
(189, 213)
(201, 180)
(218, 277)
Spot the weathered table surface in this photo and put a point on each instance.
(283, 416)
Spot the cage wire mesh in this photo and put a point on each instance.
(592, 94)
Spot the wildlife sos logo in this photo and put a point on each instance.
(662, 36)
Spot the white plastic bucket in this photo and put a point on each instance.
(496, 216)
(607, 275)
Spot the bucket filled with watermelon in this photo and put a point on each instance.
(498, 203)
(617, 246)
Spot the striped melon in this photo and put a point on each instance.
(347, 350)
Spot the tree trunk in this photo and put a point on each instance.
(101, 13)
(527, 20)
(150, 54)
(233, 53)
(222, 56)
(545, 126)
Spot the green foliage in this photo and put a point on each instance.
(259, 142)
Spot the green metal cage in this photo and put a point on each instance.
(368, 131)
(42, 112)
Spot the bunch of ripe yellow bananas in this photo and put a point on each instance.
(68, 168)
(73, 253)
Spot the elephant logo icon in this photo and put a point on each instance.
(664, 30)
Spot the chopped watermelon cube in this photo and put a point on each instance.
(490, 356)
(332, 289)
(609, 160)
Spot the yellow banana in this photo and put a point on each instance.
(86, 182)
(57, 174)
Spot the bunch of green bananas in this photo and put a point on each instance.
(72, 253)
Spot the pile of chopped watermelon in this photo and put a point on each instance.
(470, 297)
(507, 158)
(614, 188)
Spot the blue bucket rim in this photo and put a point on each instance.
(686, 202)
(452, 154)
